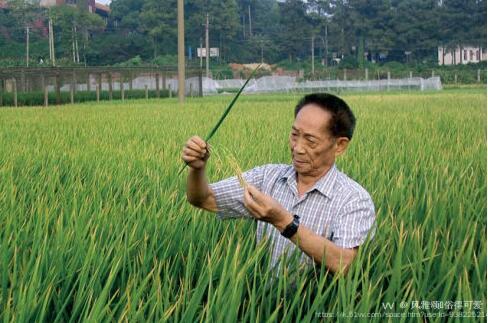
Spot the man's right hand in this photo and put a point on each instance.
(196, 152)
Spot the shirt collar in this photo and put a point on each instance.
(324, 185)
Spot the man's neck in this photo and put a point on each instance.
(305, 182)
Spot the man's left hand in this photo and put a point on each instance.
(263, 207)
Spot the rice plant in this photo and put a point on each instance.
(94, 223)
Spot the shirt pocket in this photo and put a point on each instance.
(315, 219)
(327, 231)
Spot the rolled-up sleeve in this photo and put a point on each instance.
(355, 221)
(229, 195)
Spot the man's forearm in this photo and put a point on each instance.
(321, 249)
(197, 189)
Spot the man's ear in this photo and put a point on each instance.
(341, 145)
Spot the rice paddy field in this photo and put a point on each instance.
(94, 223)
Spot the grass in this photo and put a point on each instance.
(95, 224)
(36, 98)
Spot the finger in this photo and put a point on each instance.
(200, 142)
(197, 151)
(252, 210)
(255, 193)
(207, 152)
(251, 205)
(252, 189)
(189, 159)
(193, 145)
(191, 152)
(206, 155)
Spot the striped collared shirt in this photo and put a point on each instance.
(336, 207)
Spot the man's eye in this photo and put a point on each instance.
(311, 143)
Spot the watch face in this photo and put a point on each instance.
(292, 228)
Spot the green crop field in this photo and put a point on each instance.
(94, 223)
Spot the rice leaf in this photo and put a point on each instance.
(226, 112)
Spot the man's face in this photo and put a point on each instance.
(313, 147)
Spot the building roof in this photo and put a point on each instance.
(100, 6)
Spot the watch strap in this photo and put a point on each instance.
(291, 228)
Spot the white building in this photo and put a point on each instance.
(461, 55)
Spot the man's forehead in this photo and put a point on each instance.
(311, 119)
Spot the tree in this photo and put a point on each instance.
(416, 28)
(65, 20)
(372, 21)
(68, 21)
(158, 20)
(479, 24)
(457, 29)
(320, 12)
(341, 34)
(223, 21)
(124, 14)
(296, 31)
(280, 29)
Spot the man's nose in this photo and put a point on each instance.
(298, 147)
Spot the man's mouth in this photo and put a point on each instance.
(299, 161)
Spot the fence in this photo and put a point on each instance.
(448, 74)
(270, 84)
(46, 86)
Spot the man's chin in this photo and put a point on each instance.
(300, 167)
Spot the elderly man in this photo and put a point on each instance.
(309, 204)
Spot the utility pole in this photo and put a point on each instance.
(250, 24)
(243, 26)
(181, 52)
(49, 37)
(73, 43)
(262, 56)
(201, 54)
(52, 43)
(76, 47)
(27, 46)
(313, 55)
(207, 49)
(326, 46)
(52, 56)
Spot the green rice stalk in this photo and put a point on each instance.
(226, 112)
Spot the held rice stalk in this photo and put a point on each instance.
(226, 112)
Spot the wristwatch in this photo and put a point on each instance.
(291, 228)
